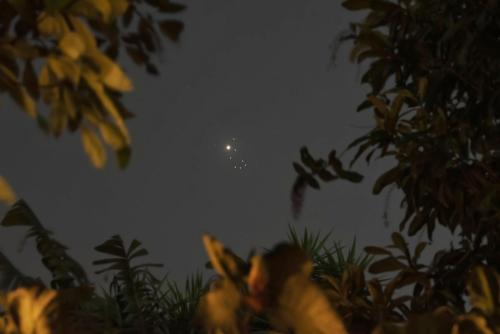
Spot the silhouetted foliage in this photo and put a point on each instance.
(432, 74)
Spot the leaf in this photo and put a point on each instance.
(93, 147)
(423, 82)
(30, 80)
(419, 248)
(58, 120)
(483, 286)
(416, 224)
(471, 324)
(93, 9)
(69, 104)
(386, 265)
(217, 310)
(378, 104)
(55, 5)
(123, 157)
(112, 136)
(307, 159)
(20, 214)
(171, 29)
(84, 32)
(110, 73)
(224, 261)
(27, 102)
(166, 6)
(72, 45)
(106, 102)
(303, 308)
(51, 25)
(356, 4)
(341, 172)
(119, 7)
(399, 242)
(390, 176)
(377, 250)
(112, 246)
(18, 92)
(7, 195)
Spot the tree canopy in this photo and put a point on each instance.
(59, 61)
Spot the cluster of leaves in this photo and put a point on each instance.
(328, 256)
(281, 289)
(64, 52)
(432, 71)
(275, 285)
(135, 301)
(310, 169)
(432, 74)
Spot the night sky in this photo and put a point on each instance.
(255, 71)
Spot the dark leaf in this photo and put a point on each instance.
(386, 265)
(171, 29)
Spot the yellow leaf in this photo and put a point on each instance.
(44, 77)
(7, 195)
(471, 324)
(112, 136)
(93, 81)
(58, 120)
(84, 32)
(18, 92)
(27, 102)
(71, 70)
(52, 25)
(56, 68)
(119, 7)
(69, 104)
(33, 309)
(7, 72)
(72, 45)
(63, 68)
(93, 147)
(111, 74)
(47, 80)
(92, 115)
(423, 82)
(92, 9)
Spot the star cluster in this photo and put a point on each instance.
(234, 156)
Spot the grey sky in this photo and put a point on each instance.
(254, 70)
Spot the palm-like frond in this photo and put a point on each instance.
(66, 272)
(328, 256)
